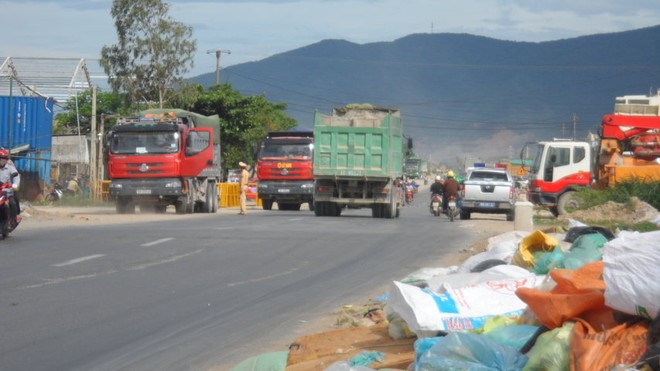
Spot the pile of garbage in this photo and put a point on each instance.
(581, 300)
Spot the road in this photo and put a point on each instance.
(203, 291)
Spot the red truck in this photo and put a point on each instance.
(284, 170)
(164, 157)
(629, 148)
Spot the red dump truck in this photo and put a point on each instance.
(164, 157)
(284, 170)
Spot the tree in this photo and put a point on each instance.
(153, 51)
(79, 111)
(245, 120)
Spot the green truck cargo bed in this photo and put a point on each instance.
(358, 143)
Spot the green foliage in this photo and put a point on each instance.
(81, 111)
(245, 120)
(622, 192)
(152, 54)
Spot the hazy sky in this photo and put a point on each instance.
(253, 30)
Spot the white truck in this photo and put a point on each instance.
(489, 191)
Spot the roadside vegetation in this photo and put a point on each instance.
(615, 208)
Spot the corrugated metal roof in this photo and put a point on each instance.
(56, 78)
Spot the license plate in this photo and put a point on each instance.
(436, 204)
(487, 204)
(143, 191)
(452, 204)
(284, 190)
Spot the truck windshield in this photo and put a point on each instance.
(288, 151)
(537, 150)
(144, 142)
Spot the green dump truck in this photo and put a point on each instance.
(358, 161)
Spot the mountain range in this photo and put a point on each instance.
(462, 96)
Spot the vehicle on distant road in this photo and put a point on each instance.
(489, 191)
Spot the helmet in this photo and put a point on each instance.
(4, 153)
(450, 173)
(438, 177)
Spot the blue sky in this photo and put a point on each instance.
(253, 30)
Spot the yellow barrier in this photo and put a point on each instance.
(230, 193)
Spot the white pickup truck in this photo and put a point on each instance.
(489, 191)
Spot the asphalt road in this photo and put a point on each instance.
(200, 292)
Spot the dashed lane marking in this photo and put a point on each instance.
(157, 242)
(78, 260)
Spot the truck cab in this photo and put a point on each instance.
(559, 167)
(284, 170)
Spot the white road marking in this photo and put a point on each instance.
(157, 242)
(294, 219)
(79, 260)
(268, 277)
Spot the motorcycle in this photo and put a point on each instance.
(56, 194)
(436, 204)
(8, 220)
(452, 208)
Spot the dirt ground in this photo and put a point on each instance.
(630, 213)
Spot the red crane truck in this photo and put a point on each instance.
(164, 157)
(284, 170)
(629, 148)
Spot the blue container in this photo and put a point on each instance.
(28, 122)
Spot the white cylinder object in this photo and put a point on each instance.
(524, 216)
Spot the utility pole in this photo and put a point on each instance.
(217, 52)
(574, 126)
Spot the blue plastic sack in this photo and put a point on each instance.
(471, 352)
(515, 336)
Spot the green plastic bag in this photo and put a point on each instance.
(551, 350)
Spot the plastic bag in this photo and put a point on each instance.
(534, 242)
(463, 351)
(551, 350)
(273, 361)
(585, 249)
(549, 260)
(465, 309)
(576, 292)
(632, 263)
(515, 336)
(500, 247)
(602, 350)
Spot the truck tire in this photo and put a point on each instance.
(376, 211)
(267, 204)
(207, 206)
(320, 208)
(216, 199)
(180, 206)
(125, 205)
(335, 208)
(311, 205)
(567, 203)
(509, 216)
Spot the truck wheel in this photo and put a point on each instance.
(336, 209)
(207, 206)
(267, 204)
(180, 206)
(465, 215)
(216, 199)
(160, 209)
(319, 208)
(568, 202)
(311, 205)
(125, 205)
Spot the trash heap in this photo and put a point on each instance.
(581, 300)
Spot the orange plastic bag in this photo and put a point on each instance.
(577, 292)
(619, 345)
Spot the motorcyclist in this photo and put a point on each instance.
(437, 186)
(451, 188)
(9, 174)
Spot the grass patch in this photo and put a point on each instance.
(622, 192)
